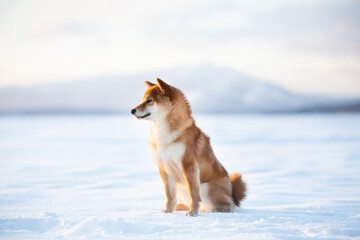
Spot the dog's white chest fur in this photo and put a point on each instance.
(166, 153)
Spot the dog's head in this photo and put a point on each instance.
(156, 102)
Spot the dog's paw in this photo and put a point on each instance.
(167, 210)
(191, 213)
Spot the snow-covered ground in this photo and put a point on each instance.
(92, 177)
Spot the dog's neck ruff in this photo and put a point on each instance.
(163, 134)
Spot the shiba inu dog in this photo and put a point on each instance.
(188, 167)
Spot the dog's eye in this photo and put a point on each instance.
(148, 101)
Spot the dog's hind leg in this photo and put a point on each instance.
(220, 195)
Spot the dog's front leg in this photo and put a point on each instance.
(191, 174)
(170, 191)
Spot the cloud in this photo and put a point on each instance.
(66, 28)
(302, 45)
(332, 26)
(74, 27)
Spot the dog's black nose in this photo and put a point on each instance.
(133, 111)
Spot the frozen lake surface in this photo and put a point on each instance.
(92, 177)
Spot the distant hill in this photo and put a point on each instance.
(208, 88)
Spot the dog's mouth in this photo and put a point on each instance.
(144, 116)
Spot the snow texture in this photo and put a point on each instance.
(92, 177)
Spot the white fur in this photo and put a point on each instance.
(165, 152)
(205, 201)
(184, 196)
(150, 109)
(205, 204)
(172, 186)
(160, 134)
(170, 157)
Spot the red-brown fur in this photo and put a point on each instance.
(184, 155)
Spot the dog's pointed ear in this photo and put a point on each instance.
(164, 87)
(149, 84)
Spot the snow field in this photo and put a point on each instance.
(92, 177)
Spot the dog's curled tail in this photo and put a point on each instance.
(238, 188)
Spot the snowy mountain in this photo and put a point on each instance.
(208, 88)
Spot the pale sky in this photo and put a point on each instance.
(305, 46)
